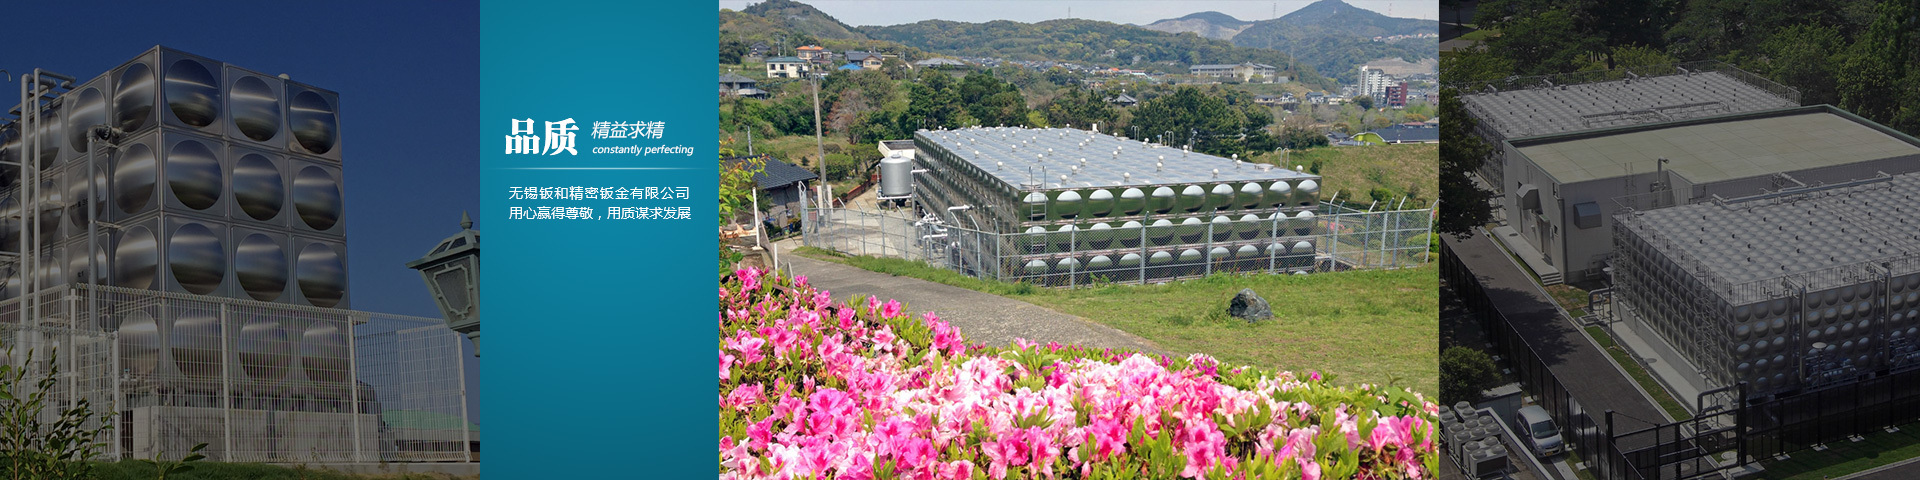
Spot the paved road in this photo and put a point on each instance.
(982, 318)
(1589, 377)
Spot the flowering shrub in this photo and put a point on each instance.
(813, 389)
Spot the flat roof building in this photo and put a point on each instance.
(1783, 290)
(1569, 156)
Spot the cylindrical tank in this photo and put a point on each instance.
(896, 176)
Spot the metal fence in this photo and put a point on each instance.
(1335, 238)
(1613, 446)
(255, 381)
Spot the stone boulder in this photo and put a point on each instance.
(1249, 306)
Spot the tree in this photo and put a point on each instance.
(1464, 373)
(1550, 42)
(1465, 67)
(1873, 66)
(1364, 101)
(731, 50)
(847, 111)
(736, 193)
(1629, 57)
(1079, 107)
(1381, 195)
(1293, 138)
(1189, 113)
(1802, 57)
(933, 102)
(1463, 204)
(36, 447)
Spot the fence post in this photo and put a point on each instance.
(1073, 253)
(226, 381)
(1143, 250)
(1207, 255)
(73, 375)
(1273, 239)
(353, 385)
(466, 432)
(119, 400)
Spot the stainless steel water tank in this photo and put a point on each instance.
(896, 176)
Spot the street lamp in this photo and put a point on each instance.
(452, 273)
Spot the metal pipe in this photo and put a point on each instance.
(26, 135)
(29, 170)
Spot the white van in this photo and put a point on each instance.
(1542, 435)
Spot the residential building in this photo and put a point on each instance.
(808, 52)
(866, 60)
(1243, 71)
(1396, 96)
(1373, 82)
(786, 67)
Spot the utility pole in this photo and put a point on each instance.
(819, 145)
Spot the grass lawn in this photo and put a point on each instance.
(1574, 300)
(1639, 374)
(135, 470)
(1362, 327)
(1357, 170)
(1843, 457)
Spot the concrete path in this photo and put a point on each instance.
(1588, 375)
(982, 318)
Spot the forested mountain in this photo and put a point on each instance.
(1085, 41)
(802, 18)
(1214, 25)
(1330, 35)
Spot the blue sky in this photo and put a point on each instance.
(1138, 12)
(408, 78)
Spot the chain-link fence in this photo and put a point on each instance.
(255, 381)
(1333, 237)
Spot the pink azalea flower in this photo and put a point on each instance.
(748, 346)
(726, 364)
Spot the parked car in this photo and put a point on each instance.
(1543, 436)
